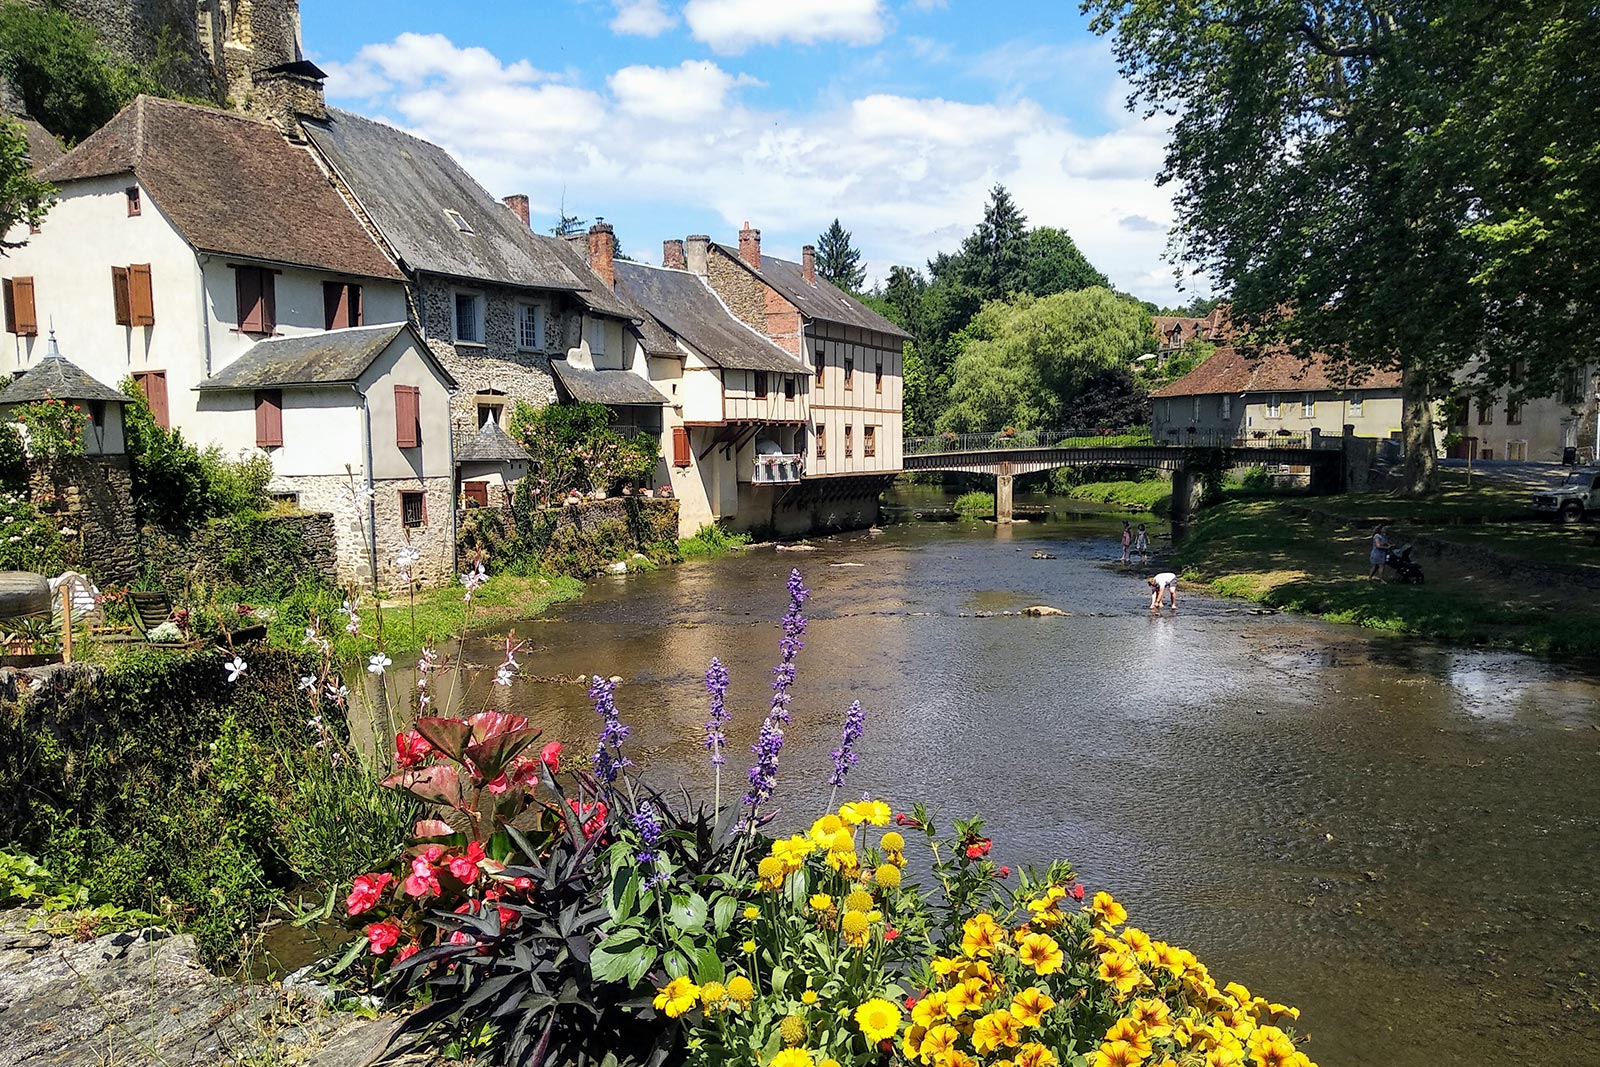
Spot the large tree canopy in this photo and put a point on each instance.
(1407, 185)
(838, 261)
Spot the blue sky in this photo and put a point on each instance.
(670, 117)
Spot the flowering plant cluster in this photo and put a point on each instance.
(53, 427)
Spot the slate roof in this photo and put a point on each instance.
(613, 387)
(230, 184)
(54, 376)
(816, 300)
(683, 304)
(1277, 370)
(406, 185)
(492, 445)
(332, 357)
(43, 148)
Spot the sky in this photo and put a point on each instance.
(672, 117)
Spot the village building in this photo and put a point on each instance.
(1173, 332)
(187, 239)
(1496, 425)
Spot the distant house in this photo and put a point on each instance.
(1174, 331)
(189, 240)
(1252, 397)
(1494, 425)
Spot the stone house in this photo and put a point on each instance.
(1499, 425)
(183, 239)
(1174, 331)
(1252, 397)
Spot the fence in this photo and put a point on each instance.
(1108, 438)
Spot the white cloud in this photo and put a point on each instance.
(642, 18)
(735, 25)
(694, 89)
(414, 59)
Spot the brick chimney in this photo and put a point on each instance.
(808, 263)
(602, 249)
(672, 254)
(750, 247)
(518, 203)
(697, 251)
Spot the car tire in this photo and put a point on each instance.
(1571, 511)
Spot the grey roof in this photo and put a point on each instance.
(819, 299)
(60, 378)
(406, 185)
(615, 387)
(683, 303)
(332, 357)
(492, 445)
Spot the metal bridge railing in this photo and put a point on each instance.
(946, 443)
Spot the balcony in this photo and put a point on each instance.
(776, 468)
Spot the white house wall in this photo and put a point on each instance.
(833, 407)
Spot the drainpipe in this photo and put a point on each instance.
(372, 496)
(205, 312)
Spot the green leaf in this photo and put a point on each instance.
(610, 962)
(723, 912)
(676, 964)
(643, 960)
(624, 894)
(780, 978)
(688, 912)
(708, 966)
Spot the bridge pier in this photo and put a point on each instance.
(1003, 494)
(1186, 490)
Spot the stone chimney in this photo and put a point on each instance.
(602, 251)
(518, 203)
(750, 247)
(672, 254)
(808, 263)
(287, 93)
(697, 251)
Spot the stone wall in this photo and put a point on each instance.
(743, 292)
(579, 539)
(163, 35)
(93, 497)
(270, 553)
(435, 540)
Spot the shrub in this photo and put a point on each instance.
(179, 486)
(29, 539)
(54, 427)
(235, 487)
(573, 447)
(712, 540)
(13, 460)
(975, 505)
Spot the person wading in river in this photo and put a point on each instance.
(1165, 582)
(1379, 553)
(1141, 544)
(1127, 540)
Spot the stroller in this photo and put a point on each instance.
(1399, 560)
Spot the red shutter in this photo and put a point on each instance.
(21, 318)
(335, 305)
(407, 428)
(269, 418)
(141, 302)
(680, 446)
(119, 296)
(154, 385)
(269, 301)
(247, 289)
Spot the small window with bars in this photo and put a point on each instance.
(135, 207)
(413, 508)
(869, 441)
(822, 441)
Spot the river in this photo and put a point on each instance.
(1397, 837)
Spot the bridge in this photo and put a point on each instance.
(1010, 453)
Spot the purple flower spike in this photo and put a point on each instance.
(844, 757)
(609, 761)
(764, 775)
(716, 725)
(649, 828)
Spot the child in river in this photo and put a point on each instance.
(1165, 582)
(1141, 544)
(1127, 540)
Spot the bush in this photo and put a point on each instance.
(235, 487)
(13, 460)
(712, 540)
(29, 539)
(181, 487)
(54, 427)
(975, 505)
(573, 447)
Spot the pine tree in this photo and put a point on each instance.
(994, 258)
(838, 261)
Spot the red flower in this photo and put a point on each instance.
(522, 883)
(890, 933)
(365, 893)
(1077, 892)
(978, 849)
(550, 756)
(902, 819)
(407, 952)
(381, 937)
(422, 881)
(499, 784)
(465, 867)
(1005, 872)
(433, 853)
(911, 1001)
(593, 816)
(459, 938)
(411, 748)
(508, 916)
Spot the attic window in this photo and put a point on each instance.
(459, 219)
(134, 207)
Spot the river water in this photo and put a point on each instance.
(1399, 838)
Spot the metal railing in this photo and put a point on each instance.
(1005, 440)
(776, 469)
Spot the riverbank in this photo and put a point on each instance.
(1273, 552)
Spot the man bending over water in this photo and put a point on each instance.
(1165, 582)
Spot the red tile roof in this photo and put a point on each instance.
(1275, 370)
(231, 184)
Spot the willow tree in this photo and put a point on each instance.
(1406, 186)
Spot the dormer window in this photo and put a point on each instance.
(459, 220)
(134, 207)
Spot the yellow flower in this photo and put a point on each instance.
(955, 1058)
(980, 935)
(854, 927)
(808, 997)
(821, 902)
(823, 829)
(1121, 972)
(1130, 1032)
(793, 1057)
(960, 1000)
(929, 1010)
(1116, 1054)
(770, 871)
(1152, 1015)
(752, 912)
(749, 947)
(1030, 1005)
(1225, 1055)
(829, 1062)
(1139, 944)
(792, 851)
(740, 991)
(878, 1019)
(1034, 1054)
(938, 1040)
(887, 875)
(677, 997)
(792, 1029)
(1108, 911)
(871, 812)
(943, 966)
(859, 900)
(874, 916)
(892, 842)
(979, 977)
(1041, 952)
(996, 1029)
(713, 995)
(911, 1043)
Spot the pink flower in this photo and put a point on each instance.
(364, 895)
(459, 938)
(433, 853)
(1077, 892)
(407, 952)
(465, 868)
(550, 756)
(522, 883)
(508, 916)
(593, 816)
(1005, 872)
(411, 748)
(979, 849)
(381, 937)
(422, 881)
(499, 784)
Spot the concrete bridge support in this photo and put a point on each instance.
(1187, 486)
(1003, 494)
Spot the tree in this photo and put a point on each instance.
(993, 258)
(1408, 186)
(1052, 263)
(23, 198)
(65, 78)
(838, 261)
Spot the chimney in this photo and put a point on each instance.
(518, 203)
(808, 263)
(750, 247)
(672, 255)
(697, 249)
(602, 247)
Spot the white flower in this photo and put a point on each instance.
(502, 676)
(354, 625)
(235, 667)
(337, 693)
(315, 722)
(311, 635)
(308, 682)
(408, 557)
(376, 663)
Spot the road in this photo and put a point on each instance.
(1529, 476)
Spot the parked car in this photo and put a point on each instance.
(1574, 499)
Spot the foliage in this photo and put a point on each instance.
(573, 448)
(1153, 494)
(23, 198)
(179, 486)
(66, 79)
(994, 258)
(979, 504)
(1053, 263)
(29, 539)
(13, 460)
(54, 427)
(710, 541)
(235, 487)
(1153, 374)
(838, 260)
(65, 910)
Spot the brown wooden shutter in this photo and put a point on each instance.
(119, 296)
(247, 290)
(154, 384)
(269, 418)
(10, 302)
(269, 300)
(141, 302)
(335, 305)
(477, 494)
(407, 404)
(21, 318)
(680, 446)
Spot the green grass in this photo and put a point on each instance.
(1154, 494)
(711, 541)
(975, 505)
(1259, 551)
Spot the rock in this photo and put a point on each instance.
(1043, 555)
(1043, 610)
(796, 548)
(619, 567)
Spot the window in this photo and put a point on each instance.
(269, 418)
(1486, 453)
(869, 441)
(131, 296)
(134, 206)
(407, 416)
(476, 494)
(255, 289)
(1308, 406)
(849, 375)
(153, 384)
(459, 220)
(21, 317)
(877, 380)
(849, 442)
(680, 446)
(413, 508)
(469, 319)
(1194, 410)
(1571, 386)
(821, 362)
(1513, 413)
(1273, 409)
(788, 387)
(761, 384)
(1225, 406)
(341, 305)
(530, 327)
(491, 411)
(822, 441)
(97, 413)
(1355, 405)
(1485, 411)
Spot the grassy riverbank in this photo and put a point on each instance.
(1153, 494)
(1260, 550)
